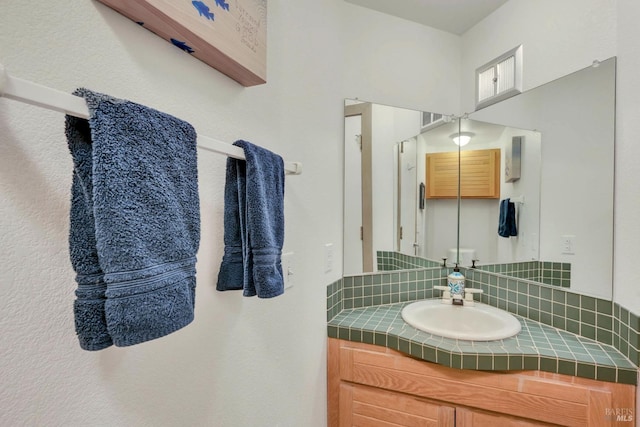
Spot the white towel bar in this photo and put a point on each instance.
(519, 199)
(53, 99)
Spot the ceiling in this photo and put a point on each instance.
(453, 16)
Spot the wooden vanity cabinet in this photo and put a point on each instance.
(369, 406)
(466, 417)
(375, 386)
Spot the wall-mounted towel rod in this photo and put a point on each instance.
(53, 99)
(518, 199)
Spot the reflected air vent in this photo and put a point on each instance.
(499, 79)
(431, 120)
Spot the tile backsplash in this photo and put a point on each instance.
(550, 273)
(594, 318)
(590, 317)
(388, 260)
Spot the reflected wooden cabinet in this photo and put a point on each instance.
(375, 386)
(479, 174)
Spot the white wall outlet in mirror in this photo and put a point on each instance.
(568, 244)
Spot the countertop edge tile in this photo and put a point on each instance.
(581, 357)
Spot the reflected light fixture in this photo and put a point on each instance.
(461, 139)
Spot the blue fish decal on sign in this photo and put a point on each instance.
(182, 45)
(203, 10)
(222, 4)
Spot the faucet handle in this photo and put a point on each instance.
(446, 294)
(468, 294)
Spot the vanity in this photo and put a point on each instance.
(381, 371)
(373, 385)
(573, 358)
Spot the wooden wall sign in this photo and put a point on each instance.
(229, 35)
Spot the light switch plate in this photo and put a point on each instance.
(328, 257)
(287, 269)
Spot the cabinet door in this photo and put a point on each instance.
(513, 398)
(364, 406)
(473, 418)
(479, 174)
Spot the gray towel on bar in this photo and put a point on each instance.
(135, 222)
(253, 223)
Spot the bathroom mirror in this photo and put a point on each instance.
(408, 226)
(565, 224)
(384, 166)
(572, 121)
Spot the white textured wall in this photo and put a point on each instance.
(242, 362)
(558, 38)
(561, 37)
(396, 62)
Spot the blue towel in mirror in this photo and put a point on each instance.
(253, 224)
(135, 222)
(507, 222)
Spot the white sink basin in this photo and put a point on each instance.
(480, 322)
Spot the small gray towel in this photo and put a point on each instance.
(507, 222)
(253, 223)
(135, 222)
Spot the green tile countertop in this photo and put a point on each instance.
(536, 347)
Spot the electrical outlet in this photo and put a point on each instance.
(568, 244)
(328, 257)
(287, 269)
